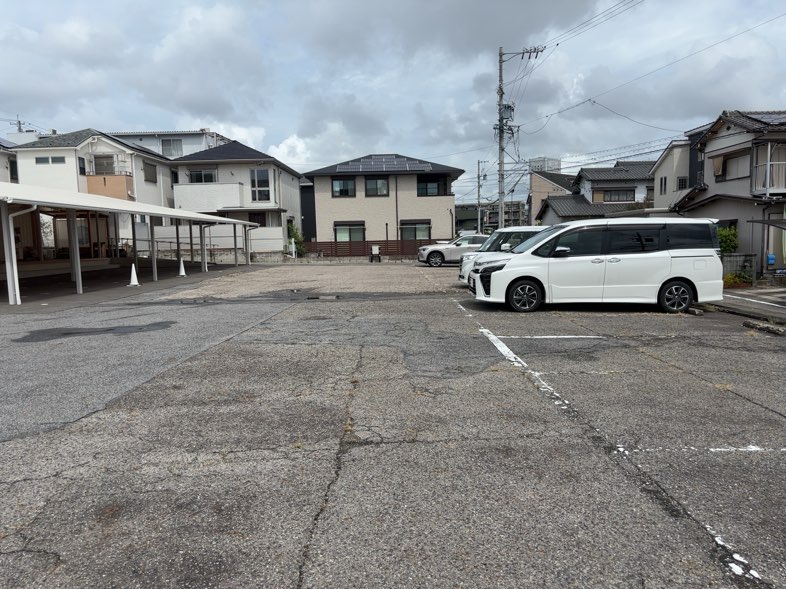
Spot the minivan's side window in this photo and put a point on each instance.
(626, 240)
(689, 235)
(581, 242)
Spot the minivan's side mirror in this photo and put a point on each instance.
(505, 247)
(561, 252)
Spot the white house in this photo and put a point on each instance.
(236, 181)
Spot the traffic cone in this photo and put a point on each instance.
(182, 271)
(134, 281)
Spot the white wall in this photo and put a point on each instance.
(263, 239)
(49, 175)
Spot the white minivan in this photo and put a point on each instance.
(671, 261)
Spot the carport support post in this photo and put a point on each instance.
(202, 247)
(191, 238)
(247, 241)
(133, 241)
(117, 236)
(153, 251)
(177, 237)
(234, 235)
(73, 242)
(11, 269)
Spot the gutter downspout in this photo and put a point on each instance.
(398, 236)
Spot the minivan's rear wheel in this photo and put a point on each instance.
(524, 296)
(435, 259)
(675, 297)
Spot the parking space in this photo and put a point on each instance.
(372, 425)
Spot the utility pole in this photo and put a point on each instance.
(505, 113)
(480, 162)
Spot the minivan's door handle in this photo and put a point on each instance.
(614, 260)
(597, 261)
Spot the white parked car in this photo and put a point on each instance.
(669, 261)
(438, 253)
(502, 240)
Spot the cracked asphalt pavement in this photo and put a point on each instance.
(372, 426)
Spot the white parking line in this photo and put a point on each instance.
(753, 301)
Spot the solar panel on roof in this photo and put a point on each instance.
(774, 118)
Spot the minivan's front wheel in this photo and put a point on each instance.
(435, 259)
(524, 296)
(675, 297)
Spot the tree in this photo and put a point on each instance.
(294, 233)
(729, 240)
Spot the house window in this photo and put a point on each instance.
(343, 187)
(416, 229)
(738, 167)
(260, 185)
(258, 218)
(628, 195)
(203, 176)
(172, 147)
(663, 185)
(175, 175)
(12, 171)
(82, 166)
(58, 159)
(682, 183)
(350, 230)
(104, 165)
(149, 172)
(376, 186)
(42, 161)
(432, 186)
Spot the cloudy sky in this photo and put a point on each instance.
(316, 82)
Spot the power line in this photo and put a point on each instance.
(595, 21)
(671, 63)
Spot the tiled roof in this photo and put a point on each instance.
(575, 206)
(622, 170)
(234, 151)
(390, 163)
(755, 120)
(562, 180)
(6, 143)
(61, 140)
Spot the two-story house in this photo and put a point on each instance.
(93, 162)
(741, 180)
(384, 197)
(236, 181)
(598, 192)
(543, 185)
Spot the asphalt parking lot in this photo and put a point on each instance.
(372, 426)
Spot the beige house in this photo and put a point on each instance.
(545, 184)
(383, 197)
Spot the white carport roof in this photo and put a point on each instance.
(41, 196)
(68, 199)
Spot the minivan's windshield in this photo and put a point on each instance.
(539, 237)
(490, 244)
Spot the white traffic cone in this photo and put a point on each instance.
(134, 281)
(182, 271)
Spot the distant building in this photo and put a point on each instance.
(174, 144)
(545, 164)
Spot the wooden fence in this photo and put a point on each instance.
(390, 247)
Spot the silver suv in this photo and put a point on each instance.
(440, 253)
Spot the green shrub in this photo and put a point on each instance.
(729, 240)
(733, 279)
(300, 246)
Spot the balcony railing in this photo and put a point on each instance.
(777, 182)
